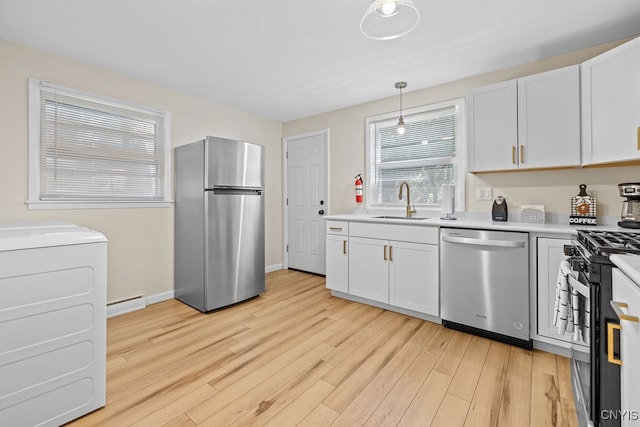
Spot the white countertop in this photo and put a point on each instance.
(629, 265)
(485, 224)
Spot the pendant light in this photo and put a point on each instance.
(389, 19)
(400, 127)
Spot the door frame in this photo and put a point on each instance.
(285, 212)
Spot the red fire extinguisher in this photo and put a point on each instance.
(358, 188)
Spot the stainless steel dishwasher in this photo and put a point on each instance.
(484, 283)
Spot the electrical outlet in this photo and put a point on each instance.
(483, 193)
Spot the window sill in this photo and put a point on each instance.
(40, 205)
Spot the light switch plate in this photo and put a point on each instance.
(483, 193)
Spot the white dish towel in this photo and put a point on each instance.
(571, 307)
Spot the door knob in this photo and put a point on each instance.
(321, 211)
(321, 202)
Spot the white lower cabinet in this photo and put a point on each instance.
(550, 255)
(399, 273)
(413, 277)
(369, 269)
(337, 259)
(337, 271)
(626, 295)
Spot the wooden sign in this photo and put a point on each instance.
(583, 208)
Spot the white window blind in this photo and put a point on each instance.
(90, 149)
(426, 156)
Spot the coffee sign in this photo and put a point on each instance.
(583, 208)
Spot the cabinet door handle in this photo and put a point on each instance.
(617, 307)
(610, 356)
(638, 138)
(385, 252)
(344, 247)
(522, 154)
(391, 253)
(513, 154)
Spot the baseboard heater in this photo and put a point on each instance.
(128, 305)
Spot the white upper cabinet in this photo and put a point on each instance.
(531, 122)
(493, 127)
(611, 105)
(549, 119)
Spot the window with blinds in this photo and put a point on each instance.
(426, 155)
(86, 149)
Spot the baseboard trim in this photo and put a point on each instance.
(272, 268)
(423, 316)
(164, 296)
(141, 302)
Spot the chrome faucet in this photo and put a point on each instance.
(410, 209)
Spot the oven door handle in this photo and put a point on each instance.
(611, 357)
(618, 306)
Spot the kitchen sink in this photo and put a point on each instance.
(399, 217)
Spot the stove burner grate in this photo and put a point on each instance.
(610, 242)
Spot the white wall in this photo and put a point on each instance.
(140, 249)
(552, 188)
(141, 240)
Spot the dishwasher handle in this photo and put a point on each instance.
(484, 242)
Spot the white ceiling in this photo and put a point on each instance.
(289, 59)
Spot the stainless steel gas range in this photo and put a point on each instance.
(596, 381)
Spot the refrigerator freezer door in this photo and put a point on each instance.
(235, 251)
(233, 163)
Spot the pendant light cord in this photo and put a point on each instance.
(400, 128)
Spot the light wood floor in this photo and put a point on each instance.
(297, 356)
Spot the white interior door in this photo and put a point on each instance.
(306, 202)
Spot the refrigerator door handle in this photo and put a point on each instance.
(238, 190)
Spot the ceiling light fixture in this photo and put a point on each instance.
(400, 127)
(389, 19)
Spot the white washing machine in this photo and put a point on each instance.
(52, 323)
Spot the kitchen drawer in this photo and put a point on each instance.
(337, 227)
(403, 233)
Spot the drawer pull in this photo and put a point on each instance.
(610, 356)
(344, 247)
(617, 307)
(335, 228)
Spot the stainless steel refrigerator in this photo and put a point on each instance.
(219, 222)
